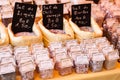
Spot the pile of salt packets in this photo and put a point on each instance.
(63, 57)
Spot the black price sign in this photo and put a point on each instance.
(53, 16)
(23, 17)
(81, 14)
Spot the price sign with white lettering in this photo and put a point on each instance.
(81, 14)
(53, 16)
(23, 17)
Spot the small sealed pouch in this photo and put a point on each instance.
(64, 69)
(5, 54)
(75, 48)
(27, 70)
(60, 50)
(36, 47)
(91, 51)
(90, 46)
(53, 46)
(7, 71)
(42, 51)
(111, 60)
(81, 64)
(73, 55)
(6, 48)
(21, 49)
(103, 45)
(58, 57)
(24, 59)
(107, 50)
(96, 63)
(60, 54)
(69, 43)
(46, 68)
(100, 40)
(5, 60)
(20, 55)
(40, 57)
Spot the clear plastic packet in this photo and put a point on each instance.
(46, 68)
(7, 71)
(107, 50)
(96, 63)
(41, 57)
(111, 60)
(103, 45)
(19, 55)
(5, 54)
(6, 48)
(75, 48)
(91, 51)
(53, 46)
(21, 49)
(64, 69)
(5, 60)
(27, 70)
(41, 51)
(58, 57)
(36, 47)
(73, 55)
(101, 40)
(24, 59)
(81, 64)
(69, 43)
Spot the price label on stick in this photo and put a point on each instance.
(53, 16)
(81, 14)
(23, 17)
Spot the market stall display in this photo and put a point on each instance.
(73, 53)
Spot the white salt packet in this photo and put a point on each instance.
(7, 68)
(46, 64)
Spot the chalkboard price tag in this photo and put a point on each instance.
(81, 14)
(53, 16)
(23, 17)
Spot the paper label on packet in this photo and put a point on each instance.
(26, 67)
(7, 68)
(82, 59)
(66, 61)
(26, 59)
(8, 60)
(61, 50)
(46, 64)
(4, 54)
(41, 57)
(98, 57)
(55, 45)
(113, 55)
(60, 56)
(75, 48)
